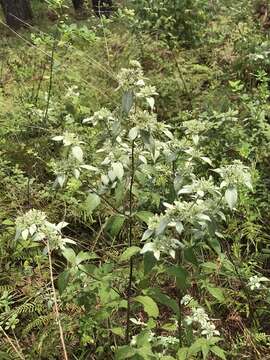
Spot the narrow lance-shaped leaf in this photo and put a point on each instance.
(231, 197)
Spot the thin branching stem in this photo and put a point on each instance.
(56, 308)
(11, 343)
(130, 242)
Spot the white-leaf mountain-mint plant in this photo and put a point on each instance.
(145, 157)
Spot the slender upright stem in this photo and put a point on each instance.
(45, 118)
(130, 242)
(180, 308)
(56, 309)
(17, 351)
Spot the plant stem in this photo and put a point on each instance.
(180, 296)
(56, 309)
(45, 118)
(130, 242)
(18, 352)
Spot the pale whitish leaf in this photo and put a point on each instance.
(204, 217)
(111, 175)
(218, 234)
(149, 305)
(118, 170)
(89, 167)
(129, 252)
(231, 197)
(127, 101)
(151, 102)
(76, 173)
(143, 159)
(195, 139)
(25, 234)
(87, 120)
(77, 153)
(147, 234)
(150, 247)
(61, 178)
(179, 227)
(58, 138)
(18, 234)
(69, 241)
(156, 155)
(223, 184)
(32, 229)
(61, 225)
(207, 160)
(105, 179)
(133, 133)
(168, 134)
(162, 226)
(247, 181)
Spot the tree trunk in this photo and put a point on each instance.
(78, 4)
(102, 7)
(17, 12)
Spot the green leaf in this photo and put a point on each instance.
(118, 331)
(149, 305)
(231, 197)
(70, 255)
(149, 261)
(216, 293)
(83, 256)
(7, 222)
(62, 281)
(218, 351)
(124, 352)
(182, 354)
(190, 256)
(180, 275)
(127, 101)
(196, 347)
(129, 252)
(205, 350)
(163, 299)
(91, 203)
(5, 356)
(114, 224)
(144, 215)
(215, 245)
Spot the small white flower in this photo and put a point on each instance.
(255, 282)
(209, 330)
(186, 299)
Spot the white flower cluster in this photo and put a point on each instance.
(103, 115)
(34, 225)
(255, 282)
(161, 244)
(199, 317)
